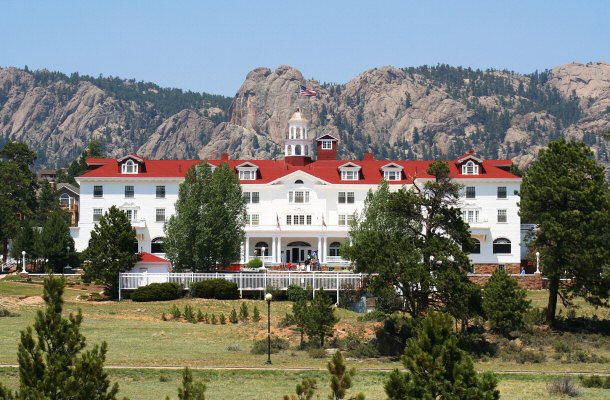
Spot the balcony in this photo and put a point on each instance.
(478, 224)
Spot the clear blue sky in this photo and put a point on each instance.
(211, 46)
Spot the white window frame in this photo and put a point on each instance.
(248, 174)
(304, 196)
(474, 192)
(252, 219)
(502, 216)
(345, 219)
(392, 174)
(101, 188)
(129, 167)
(97, 214)
(470, 168)
(505, 192)
(327, 144)
(157, 190)
(349, 175)
(471, 215)
(133, 191)
(160, 212)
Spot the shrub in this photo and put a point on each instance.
(6, 313)
(374, 315)
(364, 350)
(219, 289)
(255, 263)
(534, 317)
(199, 315)
(163, 317)
(233, 347)
(277, 293)
(213, 319)
(233, 316)
(277, 344)
(163, 378)
(175, 311)
(295, 292)
(563, 386)
(157, 292)
(504, 303)
(316, 352)
(243, 312)
(223, 319)
(561, 347)
(256, 315)
(529, 356)
(392, 337)
(188, 313)
(595, 381)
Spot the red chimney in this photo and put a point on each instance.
(368, 157)
(224, 157)
(471, 152)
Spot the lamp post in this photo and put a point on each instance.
(263, 256)
(268, 297)
(537, 262)
(23, 271)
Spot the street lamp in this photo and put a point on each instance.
(537, 262)
(23, 271)
(263, 256)
(268, 297)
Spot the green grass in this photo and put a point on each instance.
(145, 384)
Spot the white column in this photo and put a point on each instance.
(247, 249)
(320, 248)
(279, 249)
(325, 247)
(242, 248)
(273, 249)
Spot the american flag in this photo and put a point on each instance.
(323, 222)
(303, 91)
(278, 221)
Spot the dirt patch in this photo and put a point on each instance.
(22, 300)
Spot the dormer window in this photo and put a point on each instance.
(392, 172)
(470, 168)
(327, 145)
(349, 171)
(247, 175)
(129, 167)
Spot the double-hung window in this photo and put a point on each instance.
(252, 219)
(129, 191)
(470, 216)
(501, 192)
(391, 175)
(345, 219)
(132, 215)
(502, 216)
(298, 197)
(160, 214)
(327, 145)
(349, 175)
(97, 214)
(346, 198)
(98, 191)
(471, 192)
(160, 192)
(247, 175)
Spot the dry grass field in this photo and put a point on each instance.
(137, 337)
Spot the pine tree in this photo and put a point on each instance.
(26, 240)
(47, 203)
(321, 318)
(340, 378)
(190, 390)
(57, 244)
(110, 250)
(243, 312)
(233, 316)
(256, 315)
(504, 303)
(300, 316)
(304, 390)
(437, 368)
(52, 361)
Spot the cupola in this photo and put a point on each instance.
(297, 146)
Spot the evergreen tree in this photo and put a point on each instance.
(566, 194)
(504, 302)
(17, 189)
(208, 227)
(190, 390)
(437, 368)
(79, 167)
(57, 245)
(52, 363)
(300, 316)
(414, 240)
(47, 202)
(340, 378)
(110, 250)
(26, 240)
(304, 390)
(321, 318)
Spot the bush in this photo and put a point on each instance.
(563, 386)
(374, 315)
(277, 344)
(504, 303)
(233, 316)
(6, 313)
(364, 350)
(296, 292)
(175, 312)
(256, 315)
(163, 378)
(255, 263)
(233, 347)
(561, 347)
(595, 381)
(243, 312)
(316, 352)
(189, 315)
(223, 319)
(219, 289)
(534, 317)
(157, 292)
(199, 315)
(277, 293)
(529, 356)
(213, 319)
(392, 338)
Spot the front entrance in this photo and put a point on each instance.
(297, 252)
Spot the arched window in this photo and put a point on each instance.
(470, 168)
(289, 150)
(298, 244)
(477, 246)
(129, 167)
(298, 134)
(297, 150)
(64, 200)
(333, 249)
(298, 182)
(156, 245)
(306, 153)
(502, 246)
(259, 247)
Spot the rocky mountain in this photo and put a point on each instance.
(411, 113)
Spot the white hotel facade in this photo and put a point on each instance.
(299, 205)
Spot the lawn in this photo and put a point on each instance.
(137, 336)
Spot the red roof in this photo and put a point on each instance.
(326, 170)
(150, 258)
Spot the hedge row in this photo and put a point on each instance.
(158, 292)
(219, 289)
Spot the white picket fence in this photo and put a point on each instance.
(249, 281)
